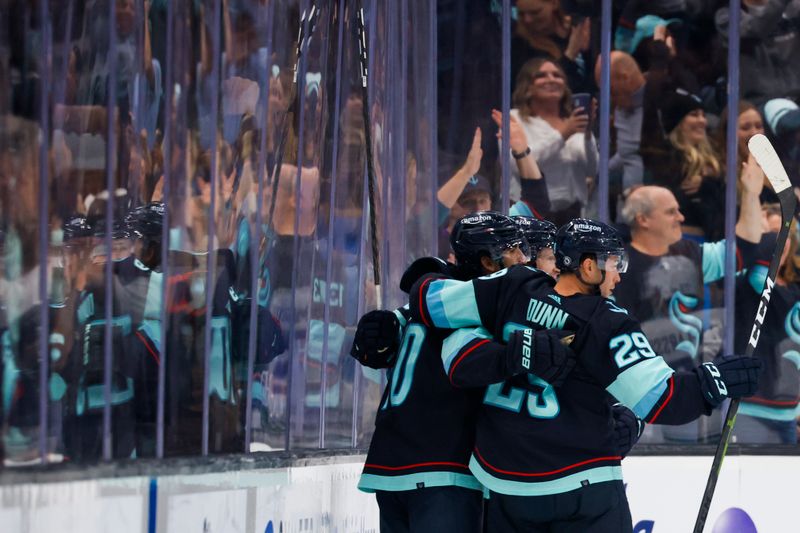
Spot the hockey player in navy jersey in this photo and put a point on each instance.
(134, 363)
(424, 428)
(548, 456)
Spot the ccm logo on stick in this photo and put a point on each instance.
(762, 312)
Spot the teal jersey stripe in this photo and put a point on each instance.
(757, 276)
(152, 305)
(372, 482)
(782, 414)
(152, 329)
(544, 488)
(640, 386)
(400, 316)
(520, 209)
(457, 340)
(713, 261)
(452, 304)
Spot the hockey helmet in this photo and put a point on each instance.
(581, 237)
(75, 227)
(119, 230)
(538, 233)
(146, 221)
(485, 233)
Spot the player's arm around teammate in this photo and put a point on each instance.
(676, 397)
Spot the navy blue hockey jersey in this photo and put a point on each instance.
(424, 428)
(532, 439)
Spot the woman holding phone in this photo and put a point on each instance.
(558, 138)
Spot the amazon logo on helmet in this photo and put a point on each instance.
(586, 227)
(483, 233)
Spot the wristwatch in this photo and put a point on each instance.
(520, 155)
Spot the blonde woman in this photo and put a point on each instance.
(689, 166)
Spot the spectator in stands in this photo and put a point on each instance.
(467, 191)
(543, 30)
(664, 287)
(769, 416)
(453, 189)
(635, 98)
(770, 50)
(653, 42)
(748, 123)
(476, 195)
(557, 136)
(628, 88)
(687, 164)
(534, 200)
(782, 118)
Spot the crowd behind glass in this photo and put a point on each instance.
(240, 255)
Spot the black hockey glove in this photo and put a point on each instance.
(544, 353)
(376, 339)
(423, 266)
(728, 377)
(627, 428)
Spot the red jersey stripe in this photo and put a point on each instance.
(553, 472)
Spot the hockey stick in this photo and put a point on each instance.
(770, 163)
(302, 43)
(373, 226)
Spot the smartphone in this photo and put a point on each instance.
(583, 100)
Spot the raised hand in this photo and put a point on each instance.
(518, 139)
(473, 163)
(660, 33)
(579, 39)
(752, 177)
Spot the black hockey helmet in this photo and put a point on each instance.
(485, 233)
(75, 227)
(119, 230)
(581, 237)
(146, 221)
(538, 233)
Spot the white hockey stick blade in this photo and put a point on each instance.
(769, 162)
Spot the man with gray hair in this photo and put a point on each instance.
(668, 276)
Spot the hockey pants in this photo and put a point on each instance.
(431, 509)
(599, 508)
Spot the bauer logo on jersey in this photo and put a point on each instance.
(546, 315)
